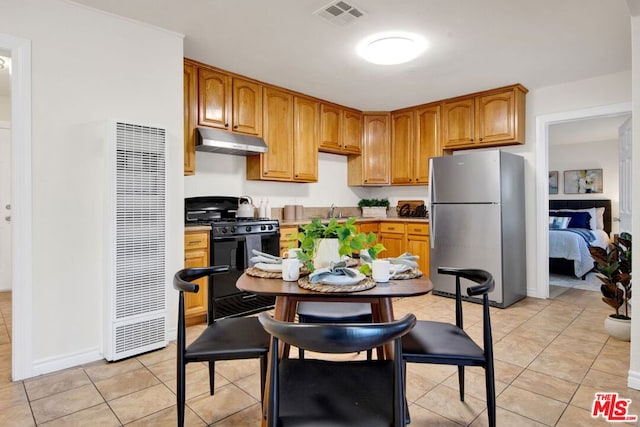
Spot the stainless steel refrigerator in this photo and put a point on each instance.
(477, 220)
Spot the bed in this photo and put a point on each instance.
(572, 231)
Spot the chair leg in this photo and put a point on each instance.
(263, 376)
(491, 393)
(461, 382)
(212, 376)
(300, 353)
(407, 415)
(181, 392)
(370, 354)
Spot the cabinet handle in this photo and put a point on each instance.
(297, 175)
(471, 139)
(365, 180)
(480, 139)
(409, 179)
(226, 125)
(235, 127)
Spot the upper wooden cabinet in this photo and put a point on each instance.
(340, 130)
(415, 137)
(190, 107)
(372, 167)
(489, 118)
(306, 118)
(229, 103)
(277, 163)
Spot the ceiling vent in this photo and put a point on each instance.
(340, 12)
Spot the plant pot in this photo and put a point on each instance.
(328, 250)
(618, 328)
(374, 212)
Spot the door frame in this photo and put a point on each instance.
(542, 182)
(21, 190)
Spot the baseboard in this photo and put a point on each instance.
(633, 380)
(57, 363)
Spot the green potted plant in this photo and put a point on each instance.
(374, 208)
(614, 266)
(322, 243)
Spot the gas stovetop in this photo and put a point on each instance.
(219, 213)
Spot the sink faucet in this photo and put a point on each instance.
(332, 211)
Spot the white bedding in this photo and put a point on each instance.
(572, 246)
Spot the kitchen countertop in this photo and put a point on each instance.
(197, 227)
(360, 220)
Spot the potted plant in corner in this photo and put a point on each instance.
(322, 243)
(374, 208)
(614, 266)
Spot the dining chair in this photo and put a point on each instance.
(448, 344)
(354, 393)
(223, 339)
(334, 312)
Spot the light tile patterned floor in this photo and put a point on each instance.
(551, 357)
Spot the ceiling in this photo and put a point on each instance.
(473, 45)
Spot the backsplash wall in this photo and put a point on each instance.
(225, 175)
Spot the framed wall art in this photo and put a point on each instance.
(583, 181)
(553, 182)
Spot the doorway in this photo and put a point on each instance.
(542, 186)
(21, 206)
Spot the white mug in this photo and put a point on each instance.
(381, 270)
(290, 269)
(293, 253)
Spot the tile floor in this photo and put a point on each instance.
(551, 357)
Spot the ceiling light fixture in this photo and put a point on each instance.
(391, 48)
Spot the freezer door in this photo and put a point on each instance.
(466, 236)
(466, 178)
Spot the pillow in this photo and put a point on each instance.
(558, 222)
(597, 216)
(578, 219)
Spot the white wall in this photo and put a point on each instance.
(88, 67)
(225, 175)
(588, 155)
(5, 108)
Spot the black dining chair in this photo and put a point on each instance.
(224, 339)
(334, 312)
(448, 344)
(355, 393)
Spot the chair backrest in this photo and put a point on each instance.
(183, 278)
(337, 338)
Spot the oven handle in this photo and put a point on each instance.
(249, 296)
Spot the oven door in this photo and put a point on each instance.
(226, 299)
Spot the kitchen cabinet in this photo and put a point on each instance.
(485, 119)
(418, 244)
(196, 254)
(277, 163)
(392, 236)
(305, 150)
(291, 133)
(402, 135)
(288, 237)
(368, 227)
(229, 103)
(340, 130)
(372, 166)
(190, 109)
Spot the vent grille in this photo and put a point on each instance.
(340, 12)
(136, 284)
(144, 333)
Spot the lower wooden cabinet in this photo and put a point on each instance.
(392, 236)
(196, 254)
(288, 236)
(418, 244)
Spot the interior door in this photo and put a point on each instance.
(625, 186)
(5, 206)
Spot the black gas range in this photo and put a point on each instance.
(232, 241)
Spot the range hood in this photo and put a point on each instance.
(219, 141)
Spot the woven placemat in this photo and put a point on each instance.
(256, 272)
(363, 285)
(409, 274)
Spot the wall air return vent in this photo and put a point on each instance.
(340, 12)
(136, 224)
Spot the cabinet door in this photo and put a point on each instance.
(306, 118)
(214, 99)
(426, 143)
(352, 132)
(277, 163)
(496, 118)
(196, 254)
(375, 150)
(418, 244)
(458, 124)
(190, 107)
(288, 235)
(393, 243)
(247, 107)
(401, 148)
(368, 227)
(330, 128)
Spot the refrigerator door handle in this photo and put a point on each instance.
(432, 217)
